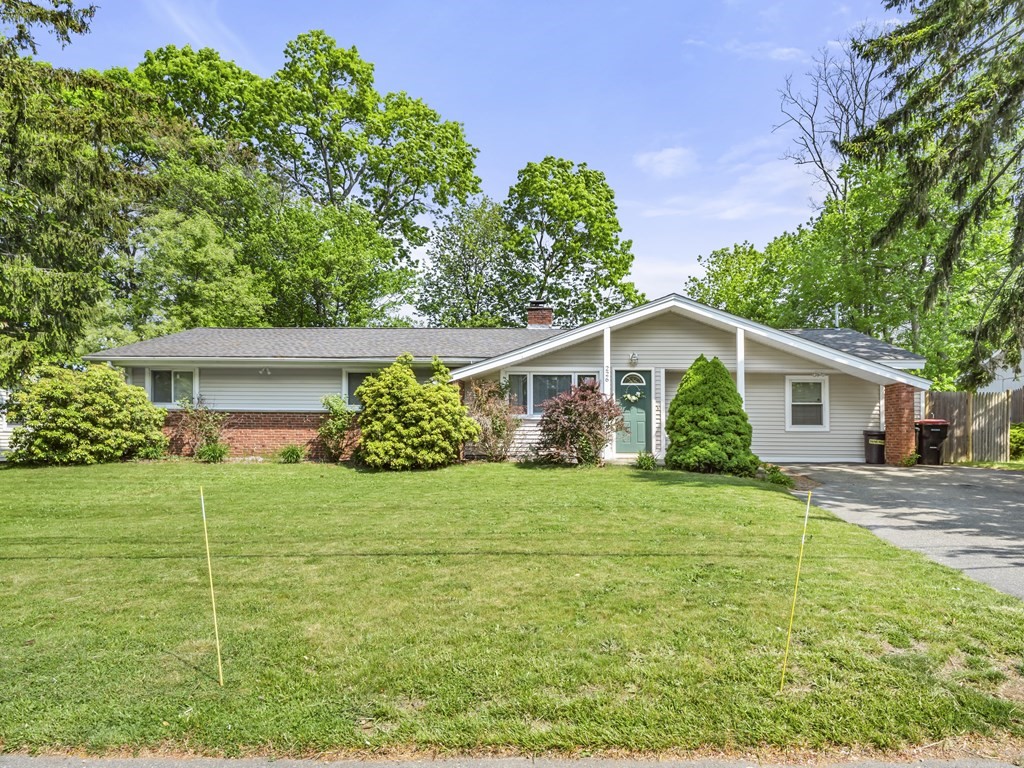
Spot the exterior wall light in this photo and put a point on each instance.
(633, 360)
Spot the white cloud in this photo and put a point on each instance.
(666, 163)
(200, 22)
(764, 50)
(769, 188)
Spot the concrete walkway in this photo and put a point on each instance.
(22, 761)
(969, 518)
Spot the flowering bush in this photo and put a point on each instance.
(577, 425)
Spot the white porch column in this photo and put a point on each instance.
(606, 384)
(606, 378)
(664, 413)
(741, 364)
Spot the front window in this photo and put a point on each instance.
(546, 386)
(167, 387)
(531, 390)
(355, 380)
(807, 403)
(517, 383)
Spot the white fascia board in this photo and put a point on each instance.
(903, 365)
(876, 372)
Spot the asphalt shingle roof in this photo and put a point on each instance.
(332, 343)
(465, 344)
(856, 343)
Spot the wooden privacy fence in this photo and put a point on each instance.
(979, 424)
(1017, 406)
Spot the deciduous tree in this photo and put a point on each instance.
(565, 243)
(463, 283)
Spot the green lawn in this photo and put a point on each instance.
(1014, 465)
(475, 607)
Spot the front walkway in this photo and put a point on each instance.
(965, 517)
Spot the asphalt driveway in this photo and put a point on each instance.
(968, 518)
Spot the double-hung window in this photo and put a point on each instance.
(807, 403)
(529, 391)
(355, 380)
(168, 387)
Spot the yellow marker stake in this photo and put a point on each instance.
(213, 599)
(796, 586)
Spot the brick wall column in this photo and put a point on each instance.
(900, 438)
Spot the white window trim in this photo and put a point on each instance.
(574, 373)
(824, 426)
(173, 370)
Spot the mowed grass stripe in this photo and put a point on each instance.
(479, 606)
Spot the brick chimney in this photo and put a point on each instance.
(539, 315)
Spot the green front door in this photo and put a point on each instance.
(633, 393)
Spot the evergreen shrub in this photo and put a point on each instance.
(85, 416)
(1016, 442)
(408, 425)
(707, 427)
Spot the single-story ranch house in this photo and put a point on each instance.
(810, 394)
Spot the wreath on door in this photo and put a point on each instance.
(632, 387)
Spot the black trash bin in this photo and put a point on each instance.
(874, 446)
(931, 434)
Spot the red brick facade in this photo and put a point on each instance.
(261, 433)
(900, 438)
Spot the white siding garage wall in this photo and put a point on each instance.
(282, 389)
(5, 428)
(853, 407)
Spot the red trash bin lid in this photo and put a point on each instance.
(927, 422)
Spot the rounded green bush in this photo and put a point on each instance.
(85, 416)
(408, 425)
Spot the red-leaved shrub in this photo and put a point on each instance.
(577, 425)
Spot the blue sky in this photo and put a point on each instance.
(674, 101)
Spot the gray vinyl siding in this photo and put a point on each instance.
(762, 358)
(136, 377)
(586, 356)
(671, 341)
(853, 407)
(284, 389)
(526, 438)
